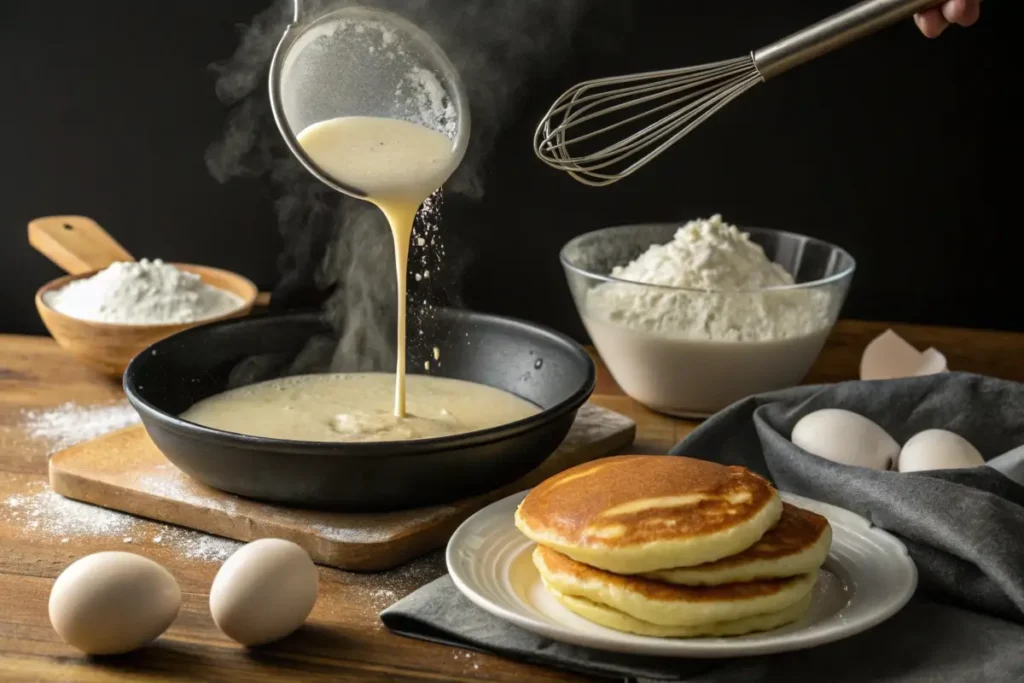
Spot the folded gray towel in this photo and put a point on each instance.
(964, 528)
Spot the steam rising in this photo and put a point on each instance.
(332, 241)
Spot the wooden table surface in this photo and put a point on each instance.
(343, 640)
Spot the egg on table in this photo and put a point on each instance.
(938, 449)
(847, 438)
(264, 591)
(113, 602)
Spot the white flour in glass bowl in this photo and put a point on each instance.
(715, 328)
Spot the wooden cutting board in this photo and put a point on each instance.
(125, 471)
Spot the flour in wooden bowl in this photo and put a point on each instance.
(142, 293)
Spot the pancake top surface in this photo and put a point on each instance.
(631, 500)
(797, 530)
(556, 563)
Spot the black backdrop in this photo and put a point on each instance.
(898, 148)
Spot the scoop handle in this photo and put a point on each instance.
(75, 243)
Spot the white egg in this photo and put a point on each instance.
(938, 449)
(113, 602)
(847, 438)
(264, 591)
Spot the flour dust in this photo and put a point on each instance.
(49, 516)
(68, 424)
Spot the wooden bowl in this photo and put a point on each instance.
(108, 347)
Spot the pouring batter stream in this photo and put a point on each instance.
(398, 165)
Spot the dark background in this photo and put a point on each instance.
(889, 148)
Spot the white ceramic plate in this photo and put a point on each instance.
(867, 578)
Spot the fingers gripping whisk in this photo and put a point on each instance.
(601, 131)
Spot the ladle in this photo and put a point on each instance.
(362, 61)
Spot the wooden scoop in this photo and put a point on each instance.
(78, 245)
(82, 248)
(75, 243)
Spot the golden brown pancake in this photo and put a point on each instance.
(667, 604)
(639, 513)
(798, 544)
(620, 621)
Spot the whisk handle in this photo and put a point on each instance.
(834, 32)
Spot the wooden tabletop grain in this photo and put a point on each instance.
(343, 640)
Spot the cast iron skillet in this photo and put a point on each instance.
(527, 360)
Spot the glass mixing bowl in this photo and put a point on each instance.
(691, 353)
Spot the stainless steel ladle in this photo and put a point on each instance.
(361, 61)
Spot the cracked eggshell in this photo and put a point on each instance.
(890, 356)
(847, 438)
(113, 602)
(938, 449)
(264, 591)
(932, 363)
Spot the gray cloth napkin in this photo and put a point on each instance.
(965, 530)
(438, 612)
(925, 642)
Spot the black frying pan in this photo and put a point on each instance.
(532, 362)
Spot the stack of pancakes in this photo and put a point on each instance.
(672, 546)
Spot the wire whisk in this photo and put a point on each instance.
(603, 130)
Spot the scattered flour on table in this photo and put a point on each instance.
(54, 515)
(51, 514)
(199, 546)
(175, 485)
(142, 292)
(369, 535)
(69, 423)
(466, 657)
(726, 274)
(388, 587)
(387, 528)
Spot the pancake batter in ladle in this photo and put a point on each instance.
(398, 165)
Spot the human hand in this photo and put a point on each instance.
(936, 20)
